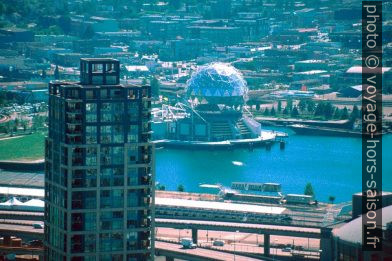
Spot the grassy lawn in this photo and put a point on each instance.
(28, 147)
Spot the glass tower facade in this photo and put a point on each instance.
(99, 168)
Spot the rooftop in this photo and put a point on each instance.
(99, 59)
(28, 192)
(219, 206)
(21, 179)
(352, 231)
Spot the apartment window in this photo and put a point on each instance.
(97, 68)
(132, 154)
(133, 133)
(132, 198)
(104, 93)
(84, 200)
(112, 198)
(91, 134)
(132, 177)
(91, 112)
(110, 242)
(118, 155)
(111, 79)
(91, 156)
(91, 108)
(106, 134)
(90, 94)
(133, 111)
(111, 220)
(132, 240)
(118, 135)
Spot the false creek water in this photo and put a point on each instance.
(331, 164)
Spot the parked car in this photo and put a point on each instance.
(38, 225)
(218, 243)
(36, 243)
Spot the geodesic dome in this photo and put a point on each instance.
(217, 83)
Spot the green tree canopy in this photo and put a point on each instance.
(155, 86)
(309, 190)
(302, 105)
(294, 112)
(181, 188)
(331, 199)
(344, 113)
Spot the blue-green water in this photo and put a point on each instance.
(331, 164)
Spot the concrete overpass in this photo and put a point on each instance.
(20, 215)
(324, 234)
(169, 250)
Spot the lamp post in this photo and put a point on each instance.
(276, 250)
(234, 242)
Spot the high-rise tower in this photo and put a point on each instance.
(99, 168)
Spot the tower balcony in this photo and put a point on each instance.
(146, 179)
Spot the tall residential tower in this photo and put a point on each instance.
(99, 168)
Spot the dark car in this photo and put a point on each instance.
(36, 243)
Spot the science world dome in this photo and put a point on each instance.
(217, 83)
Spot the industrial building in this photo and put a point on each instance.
(347, 239)
(99, 168)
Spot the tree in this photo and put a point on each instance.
(355, 114)
(161, 187)
(180, 188)
(331, 199)
(337, 114)
(258, 107)
(154, 86)
(328, 110)
(285, 111)
(279, 106)
(289, 105)
(302, 105)
(344, 113)
(294, 112)
(56, 73)
(273, 112)
(310, 106)
(266, 112)
(88, 33)
(309, 190)
(319, 111)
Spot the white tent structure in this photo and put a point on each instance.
(34, 205)
(11, 202)
(31, 205)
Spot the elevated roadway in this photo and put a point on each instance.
(23, 230)
(172, 251)
(169, 250)
(240, 227)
